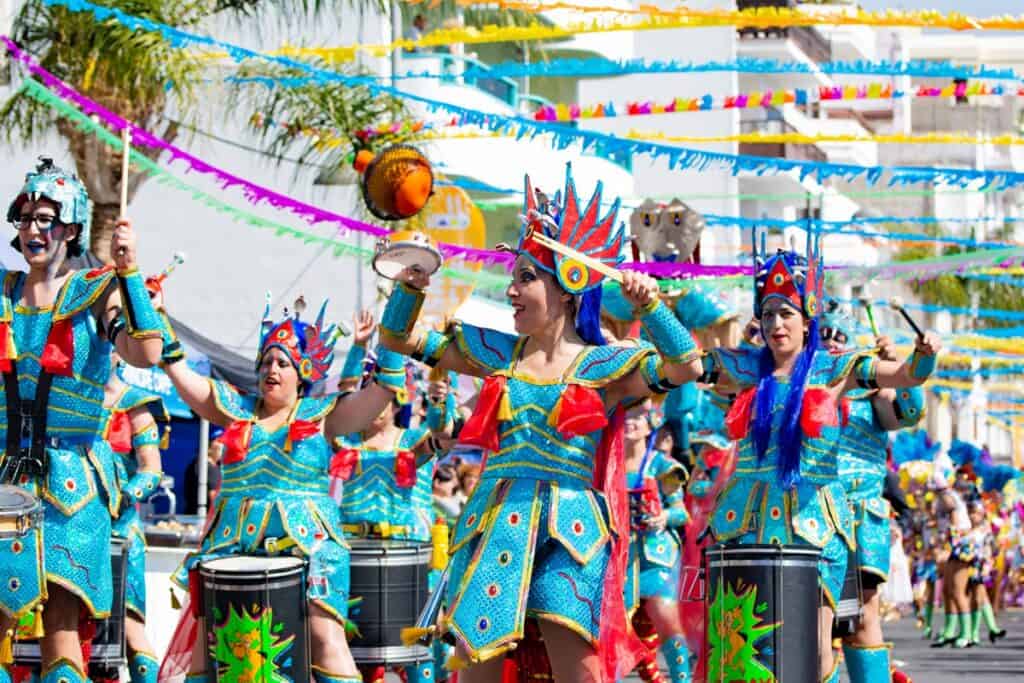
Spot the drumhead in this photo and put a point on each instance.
(14, 499)
(248, 565)
(762, 554)
(375, 551)
(391, 262)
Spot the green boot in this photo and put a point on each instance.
(994, 632)
(974, 634)
(963, 638)
(928, 609)
(949, 630)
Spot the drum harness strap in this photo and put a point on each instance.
(26, 422)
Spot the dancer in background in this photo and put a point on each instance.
(274, 489)
(658, 517)
(535, 538)
(58, 326)
(863, 449)
(134, 436)
(983, 545)
(954, 526)
(787, 421)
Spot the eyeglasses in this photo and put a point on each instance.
(42, 221)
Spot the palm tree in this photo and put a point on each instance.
(140, 76)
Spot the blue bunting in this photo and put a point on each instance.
(564, 137)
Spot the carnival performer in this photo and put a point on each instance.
(134, 436)
(57, 327)
(387, 470)
(274, 489)
(954, 525)
(786, 418)
(658, 516)
(982, 544)
(536, 536)
(863, 449)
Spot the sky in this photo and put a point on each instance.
(981, 8)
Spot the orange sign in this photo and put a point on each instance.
(451, 216)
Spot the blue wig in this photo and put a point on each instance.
(588, 317)
(790, 435)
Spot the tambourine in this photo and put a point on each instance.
(405, 249)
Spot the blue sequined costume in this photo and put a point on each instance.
(534, 536)
(655, 555)
(277, 493)
(754, 507)
(79, 492)
(862, 469)
(129, 524)
(375, 496)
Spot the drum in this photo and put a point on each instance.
(849, 604)
(20, 511)
(108, 652)
(257, 625)
(762, 613)
(401, 250)
(389, 581)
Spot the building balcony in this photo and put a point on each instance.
(774, 123)
(805, 39)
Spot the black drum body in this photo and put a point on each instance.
(108, 645)
(256, 616)
(389, 583)
(762, 614)
(849, 606)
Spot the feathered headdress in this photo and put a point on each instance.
(309, 346)
(796, 279)
(601, 238)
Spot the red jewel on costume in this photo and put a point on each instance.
(119, 433)
(405, 469)
(737, 420)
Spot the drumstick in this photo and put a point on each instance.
(866, 303)
(556, 246)
(126, 150)
(896, 303)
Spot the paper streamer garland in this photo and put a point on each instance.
(675, 157)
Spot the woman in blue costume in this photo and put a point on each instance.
(658, 517)
(787, 420)
(134, 437)
(274, 488)
(387, 470)
(57, 328)
(543, 535)
(863, 449)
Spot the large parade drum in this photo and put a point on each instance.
(762, 613)
(256, 616)
(107, 653)
(388, 586)
(849, 604)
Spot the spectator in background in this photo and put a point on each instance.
(469, 476)
(416, 31)
(447, 502)
(212, 463)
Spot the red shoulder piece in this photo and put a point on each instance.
(580, 411)
(98, 272)
(737, 420)
(59, 351)
(481, 429)
(119, 433)
(236, 441)
(299, 430)
(344, 463)
(819, 409)
(405, 469)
